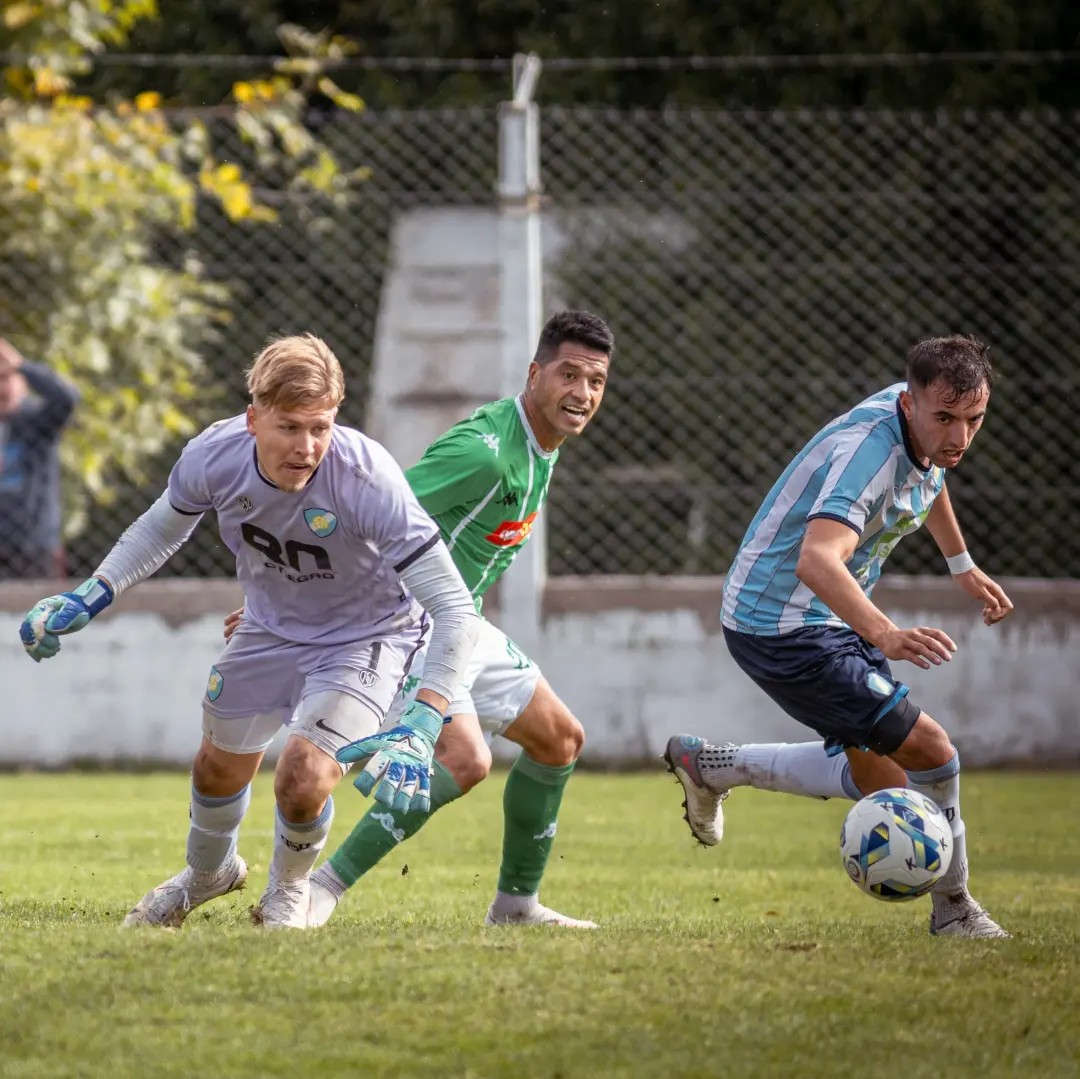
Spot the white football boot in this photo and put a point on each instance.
(170, 903)
(284, 905)
(966, 919)
(704, 802)
(536, 914)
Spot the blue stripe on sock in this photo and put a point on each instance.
(213, 803)
(321, 821)
(935, 775)
(848, 784)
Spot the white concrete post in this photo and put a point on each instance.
(521, 302)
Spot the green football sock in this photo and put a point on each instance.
(531, 802)
(381, 829)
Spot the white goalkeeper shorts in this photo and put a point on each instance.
(498, 684)
(334, 695)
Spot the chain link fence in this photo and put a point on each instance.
(762, 272)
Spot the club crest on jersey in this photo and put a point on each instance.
(321, 522)
(214, 684)
(877, 684)
(243, 502)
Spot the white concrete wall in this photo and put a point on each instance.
(636, 660)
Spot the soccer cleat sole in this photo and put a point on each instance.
(666, 757)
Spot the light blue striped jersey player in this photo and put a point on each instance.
(859, 469)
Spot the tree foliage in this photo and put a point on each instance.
(630, 28)
(101, 202)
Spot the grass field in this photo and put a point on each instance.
(758, 957)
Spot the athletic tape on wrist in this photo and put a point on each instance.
(960, 563)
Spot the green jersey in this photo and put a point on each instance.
(484, 482)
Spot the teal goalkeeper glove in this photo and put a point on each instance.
(399, 768)
(68, 612)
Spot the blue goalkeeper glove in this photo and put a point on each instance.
(399, 768)
(68, 612)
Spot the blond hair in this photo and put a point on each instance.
(296, 372)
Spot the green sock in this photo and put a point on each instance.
(531, 802)
(381, 829)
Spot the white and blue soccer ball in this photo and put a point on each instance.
(896, 844)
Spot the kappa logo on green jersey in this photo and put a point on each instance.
(491, 441)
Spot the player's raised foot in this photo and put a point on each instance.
(533, 914)
(965, 920)
(170, 903)
(284, 905)
(704, 802)
(321, 904)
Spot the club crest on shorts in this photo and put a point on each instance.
(321, 522)
(214, 684)
(876, 683)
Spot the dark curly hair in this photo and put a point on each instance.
(961, 361)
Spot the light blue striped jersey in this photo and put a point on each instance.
(859, 469)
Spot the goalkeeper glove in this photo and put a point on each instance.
(68, 612)
(399, 768)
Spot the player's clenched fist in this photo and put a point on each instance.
(50, 618)
(399, 769)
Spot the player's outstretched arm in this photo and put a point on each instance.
(944, 527)
(140, 551)
(827, 547)
(399, 761)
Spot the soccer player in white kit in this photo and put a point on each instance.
(341, 569)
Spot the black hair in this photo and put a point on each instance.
(961, 361)
(578, 327)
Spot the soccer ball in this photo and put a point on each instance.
(896, 844)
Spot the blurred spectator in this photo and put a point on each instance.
(35, 404)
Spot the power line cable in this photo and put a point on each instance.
(1012, 58)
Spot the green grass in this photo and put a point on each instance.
(758, 957)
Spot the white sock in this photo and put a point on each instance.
(328, 878)
(508, 905)
(297, 845)
(215, 825)
(795, 768)
(942, 785)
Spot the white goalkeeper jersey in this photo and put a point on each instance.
(319, 565)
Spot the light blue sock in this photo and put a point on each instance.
(803, 768)
(942, 785)
(215, 825)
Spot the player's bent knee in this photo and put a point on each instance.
(304, 776)
(469, 765)
(217, 773)
(927, 746)
(561, 744)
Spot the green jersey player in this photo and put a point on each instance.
(484, 482)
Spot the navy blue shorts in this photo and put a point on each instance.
(832, 681)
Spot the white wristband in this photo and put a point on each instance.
(960, 563)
